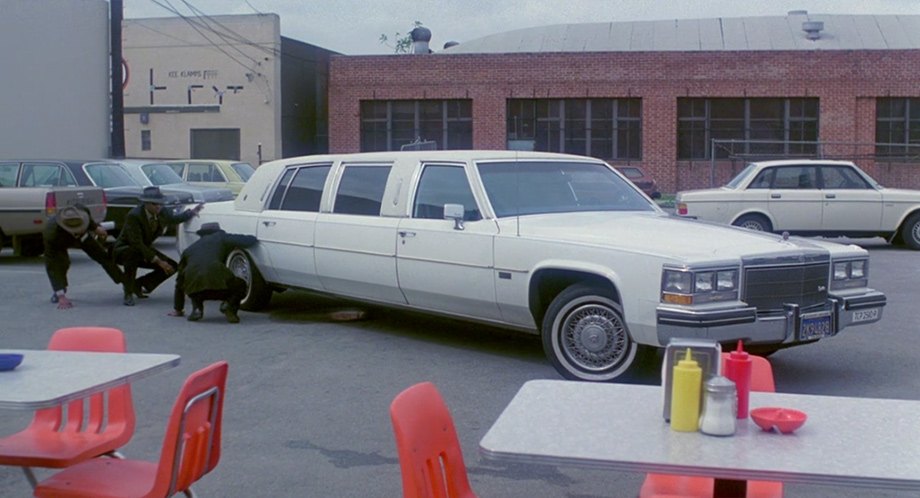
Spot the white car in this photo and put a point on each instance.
(557, 245)
(809, 197)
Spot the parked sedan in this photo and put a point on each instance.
(158, 173)
(213, 172)
(809, 197)
(121, 190)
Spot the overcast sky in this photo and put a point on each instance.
(354, 26)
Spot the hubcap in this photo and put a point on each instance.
(593, 337)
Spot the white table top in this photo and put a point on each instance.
(50, 378)
(846, 441)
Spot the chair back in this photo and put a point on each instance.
(191, 446)
(429, 452)
(110, 412)
(761, 373)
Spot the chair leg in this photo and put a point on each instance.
(30, 476)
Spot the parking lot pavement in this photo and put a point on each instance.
(308, 394)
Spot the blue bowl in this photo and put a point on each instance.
(9, 361)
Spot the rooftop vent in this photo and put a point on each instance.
(797, 13)
(812, 29)
(451, 44)
(420, 37)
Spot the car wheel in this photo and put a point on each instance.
(258, 294)
(910, 231)
(585, 336)
(754, 222)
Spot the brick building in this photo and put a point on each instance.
(654, 94)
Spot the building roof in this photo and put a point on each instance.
(840, 32)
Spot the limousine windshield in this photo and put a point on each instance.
(522, 188)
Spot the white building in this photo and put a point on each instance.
(54, 71)
(222, 87)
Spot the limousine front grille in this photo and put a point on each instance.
(769, 288)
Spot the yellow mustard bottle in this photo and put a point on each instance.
(685, 395)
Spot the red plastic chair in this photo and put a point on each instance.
(429, 452)
(191, 449)
(677, 486)
(94, 426)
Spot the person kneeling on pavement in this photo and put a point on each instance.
(134, 246)
(203, 276)
(73, 227)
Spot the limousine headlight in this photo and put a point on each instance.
(684, 286)
(850, 274)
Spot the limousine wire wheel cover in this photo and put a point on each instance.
(257, 294)
(584, 334)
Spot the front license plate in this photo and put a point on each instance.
(865, 315)
(816, 327)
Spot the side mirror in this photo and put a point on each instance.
(454, 212)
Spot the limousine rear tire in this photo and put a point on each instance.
(585, 336)
(258, 294)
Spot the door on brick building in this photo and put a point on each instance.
(215, 143)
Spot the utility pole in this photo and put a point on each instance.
(118, 100)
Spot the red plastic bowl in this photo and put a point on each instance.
(786, 420)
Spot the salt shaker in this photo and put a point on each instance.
(719, 407)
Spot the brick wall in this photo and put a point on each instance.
(845, 82)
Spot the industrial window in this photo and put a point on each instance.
(145, 139)
(602, 128)
(391, 124)
(897, 128)
(762, 126)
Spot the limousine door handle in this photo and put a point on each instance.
(404, 234)
(268, 223)
(776, 196)
(830, 196)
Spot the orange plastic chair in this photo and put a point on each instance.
(678, 486)
(94, 426)
(429, 451)
(191, 449)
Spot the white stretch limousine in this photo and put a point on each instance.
(554, 244)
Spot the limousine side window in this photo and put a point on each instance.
(303, 192)
(442, 184)
(361, 190)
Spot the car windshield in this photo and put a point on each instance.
(534, 187)
(160, 174)
(736, 181)
(107, 175)
(245, 170)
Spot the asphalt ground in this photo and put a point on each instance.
(306, 412)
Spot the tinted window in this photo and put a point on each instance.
(361, 190)
(306, 189)
(8, 173)
(842, 177)
(245, 170)
(281, 188)
(439, 185)
(45, 175)
(533, 187)
(160, 174)
(109, 175)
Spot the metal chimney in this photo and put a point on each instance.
(812, 29)
(420, 38)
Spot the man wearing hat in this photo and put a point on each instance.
(73, 226)
(134, 246)
(203, 276)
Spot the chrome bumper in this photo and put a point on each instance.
(743, 323)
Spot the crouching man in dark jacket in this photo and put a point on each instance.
(203, 275)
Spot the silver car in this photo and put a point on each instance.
(149, 172)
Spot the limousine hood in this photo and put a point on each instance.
(671, 237)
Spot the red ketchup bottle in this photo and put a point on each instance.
(738, 369)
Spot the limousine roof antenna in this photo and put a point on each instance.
(419, 144)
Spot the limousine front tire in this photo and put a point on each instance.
(585, 336)
(258, 294)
